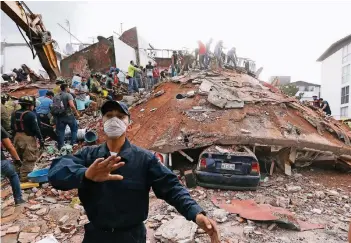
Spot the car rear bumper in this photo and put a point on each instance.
(233, 182)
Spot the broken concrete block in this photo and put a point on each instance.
(249, 229)
(205, 87)
(224, 99)
(293, 188)
(159, 93)
(13, 229)
(31, 229)
(67, 228)
(63, 220)
(27, 237)
(190, 94)
(8, 211)
(41, 211)
(220, 215)
(177, 230)
(244, 131)
(35, 207)
(50, 200)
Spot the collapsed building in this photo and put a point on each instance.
(200, 109)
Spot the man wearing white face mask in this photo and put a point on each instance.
(115, 194)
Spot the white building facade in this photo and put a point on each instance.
(336, 77)
(307, 90)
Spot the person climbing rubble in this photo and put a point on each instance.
(207, 55)
(62, 109)
(82, 99)
(324, 105)
(156, 73)
(115, 194)
(218, 53)
(25, 129)
(231, 57)
(202, 55)
(174, 65)
(149, 76)
(5, 113)
(133, 85)
(58, 83)
(44, 116)
(7, 168)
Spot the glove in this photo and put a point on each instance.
(42, 145)
(18, 163)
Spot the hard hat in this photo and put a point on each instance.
(27, 100)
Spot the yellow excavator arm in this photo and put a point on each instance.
(39, 38)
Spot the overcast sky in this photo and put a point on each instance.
(285, 37)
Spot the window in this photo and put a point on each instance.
(345, 76)
(345, 95)
(311, 88)
(346, 53)
(344, 112)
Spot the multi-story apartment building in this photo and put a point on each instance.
(336, 77)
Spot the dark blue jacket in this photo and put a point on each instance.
(121, 204)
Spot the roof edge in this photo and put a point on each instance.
(334, 48)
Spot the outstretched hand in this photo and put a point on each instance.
(209, 226)
(101, 169)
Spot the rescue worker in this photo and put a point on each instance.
(202, 55)
(156, 73)
(207, 56)
(231, 57)
(133, 85)
(96, 90)
(7, 168)
(218, 53)
(58, 83)
(325, 106)
(5, 113)
(115, 194)
(82, 100)
(174, 64)
(65, 100)
(44, 116)
(25, 129)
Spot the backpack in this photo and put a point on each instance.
(57, 107)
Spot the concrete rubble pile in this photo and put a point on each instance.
(316, 213)
(49, 213)
(200, 109)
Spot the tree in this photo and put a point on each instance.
(289, 89)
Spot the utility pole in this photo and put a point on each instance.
(69, 29)
(121, 28)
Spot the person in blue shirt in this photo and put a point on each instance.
(115, 194)
(43, 115)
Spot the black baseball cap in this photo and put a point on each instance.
(112, 105)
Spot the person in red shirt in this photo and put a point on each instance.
(156, 73)
(202, 54)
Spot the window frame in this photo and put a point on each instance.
(345, 94)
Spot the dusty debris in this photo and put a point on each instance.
(177, 230)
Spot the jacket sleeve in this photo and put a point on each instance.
(166, 186)
(35, 126)
(67, 172)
